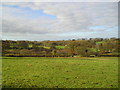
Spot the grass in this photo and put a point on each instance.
(46, 47)
(99, 42)
(60, 47)
(93, 49)
(41, 72)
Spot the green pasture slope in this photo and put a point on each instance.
(41, 72)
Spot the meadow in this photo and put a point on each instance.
(58, 72)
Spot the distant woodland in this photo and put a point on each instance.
(93, 47)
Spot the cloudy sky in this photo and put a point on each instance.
(58, 21)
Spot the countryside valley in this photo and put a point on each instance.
(64, 48)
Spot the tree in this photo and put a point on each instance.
(5, 47)
(23, 45)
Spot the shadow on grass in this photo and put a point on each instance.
(10, 57)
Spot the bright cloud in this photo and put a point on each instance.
(59, 20)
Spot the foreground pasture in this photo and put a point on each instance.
(37, 72)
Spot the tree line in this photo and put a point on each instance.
(64, 48)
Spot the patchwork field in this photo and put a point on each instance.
(41, 72)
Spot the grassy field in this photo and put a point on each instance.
(60, 47)
(37, 72)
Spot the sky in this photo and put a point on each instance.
(58, 20)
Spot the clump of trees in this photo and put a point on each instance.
(69, 48)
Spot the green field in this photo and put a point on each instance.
(38, 72)
(60, 47)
